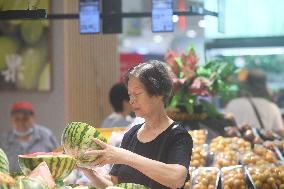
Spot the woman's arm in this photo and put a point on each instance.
(170, 175)
(98, 180)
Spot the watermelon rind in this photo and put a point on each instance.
(4, 163)
(77, 139)
(60, 165)
(29, 183)
(131, 186)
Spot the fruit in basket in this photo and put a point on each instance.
(234, 178)
(60, 165)
(198, 157)
(77, 139)
(6, 181)
(4, 163)
(205, 179)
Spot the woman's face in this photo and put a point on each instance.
(142, 103)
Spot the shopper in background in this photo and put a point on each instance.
(255, 107)
(25, 136)
(119, 101)
(155, 153)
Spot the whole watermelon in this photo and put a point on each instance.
(77, 139)
(29, 183)
(131, 186)
(60, 165)
(4, 163)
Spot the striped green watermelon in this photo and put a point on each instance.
(131, 186)
(4, 163)
(60, 165)
(77, 139)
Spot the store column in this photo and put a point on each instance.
(91, 68)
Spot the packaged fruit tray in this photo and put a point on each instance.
(275, 147)
(266, 176)
(225, 159)
(205, 177)
(266, 154)
(198, 136)
(233, 177)
(199, 157)
(222, 144)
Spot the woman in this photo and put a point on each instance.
(156, 153)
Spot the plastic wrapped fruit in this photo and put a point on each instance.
(266, 154)
(233, 177)
(240, 145)
(198, 157)
(263, 177)
(205, 178)
(224, 159)
(220, 144)
(198, 136)
(250, 158)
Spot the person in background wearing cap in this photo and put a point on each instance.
(25, 136)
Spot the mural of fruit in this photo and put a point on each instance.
(44, 78)
(8, 46)
(60, 165)
(15, 5)
(28, 75)
(77, 139)
(31, 31)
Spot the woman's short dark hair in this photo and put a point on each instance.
(118, 93)
(155, 77)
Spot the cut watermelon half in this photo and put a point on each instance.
(60, 165)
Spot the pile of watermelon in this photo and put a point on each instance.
(43, 170)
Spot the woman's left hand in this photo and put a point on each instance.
(108, 154)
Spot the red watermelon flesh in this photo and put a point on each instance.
(42, 171)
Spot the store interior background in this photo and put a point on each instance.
(84, 67)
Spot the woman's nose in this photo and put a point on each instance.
(131, 100)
